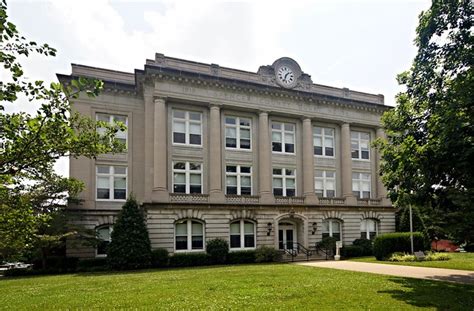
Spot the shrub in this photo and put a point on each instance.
(401, 257)
(57, 264)
(239, 257)
(366, 245)
(130, 246)
(92, 265)
(432, 256)
(469, 247)
(23, 272)
(389, 243)
(159, 257)
(267, 254)
(352, 251)
(327, 244)
(217, 250)
(189, 260)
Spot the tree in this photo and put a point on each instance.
(31, 143)
(130, 247)
(428, 157)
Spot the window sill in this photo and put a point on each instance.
(324, 157)
(184, 251)
(238, 149)
(361, 160)
(235, 249)
(187, 145)
(110, 200)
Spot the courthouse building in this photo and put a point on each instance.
(256, 158)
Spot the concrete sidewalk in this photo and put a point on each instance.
(447, 275)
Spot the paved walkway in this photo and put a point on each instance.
(448, 275)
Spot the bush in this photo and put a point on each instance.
(267, 254)
(189, 260)
(239, 257)
(432, 256)
(352, 251)
(159, 257)
(24, 272)
(327, 244)
(401, 257)
(389, 243)
(130, 246)
(217, 249)
(366, 245)
(469, 248)
(57, 264)
(92, 265)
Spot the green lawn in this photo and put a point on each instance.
(267, 287)
(458, 261)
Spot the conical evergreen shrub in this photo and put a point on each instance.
(130, 247)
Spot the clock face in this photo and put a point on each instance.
(286, 75)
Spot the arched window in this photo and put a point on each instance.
(242, 234)
(369, 228)
(189, 235)
(332, 228)
(103, 233)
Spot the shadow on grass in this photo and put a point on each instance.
(433, 294)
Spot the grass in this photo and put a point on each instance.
(458, 261)
(266, 287)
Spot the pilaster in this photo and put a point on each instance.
(308, 163)
(346, 164)
(381, 190)
(264, 159)
(160, 171)
(216, 194)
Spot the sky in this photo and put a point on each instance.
(358, 44)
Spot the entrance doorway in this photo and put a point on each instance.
(286, 236)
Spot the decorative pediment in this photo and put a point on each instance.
(243, 214)
(332, 215)
(371, 214)
(188, 214)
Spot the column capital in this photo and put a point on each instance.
(346, 124)
(263, 112)
(215, 106)
(159, 99)
(306, 119)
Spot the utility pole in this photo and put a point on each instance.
(411, 230)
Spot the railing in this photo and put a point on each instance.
(369, 202)
(327, 252)
(296, 249)
(289, 200)
(242, 199)
(332, 201)
(189, 198)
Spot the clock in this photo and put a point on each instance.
(285, 75)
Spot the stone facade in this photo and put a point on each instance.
(147, 99)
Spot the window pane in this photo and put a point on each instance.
(355, 176)
(195, 189)
(325, 226)
(103, 182)
(103, 233)
(318, 141)
(182, 228)
(179, 114)
(289, 138)
(330, 193)
(120, 170)
(197, 242)
(103, 193)
(290, 148)
(329, 174)
(196, 228)
(289, 172)
(245, 143)
(318, 184)
(231, 142)
(179, 188)
(329, 142)
(195, 116)
(248, 227)
(245, 169)
(179, 127)
(290, 192)
(103, 169)
(230, 132)
(231, 168)
(336, 227)
(329, 132)
(249, 240)
(231, 181)
(276, 147)
(103, 117)
(181, 242)
(290, 183)
(276, 126)
(365, 154)
(195, 128)
(244, 122)
(179, 138)
(195, 166)
(276, 136)
(318, 150)
(354, 135)
(235, 228)
(119, 194)
(289, 127)
(195, 139)
(230, 120)
(318, 174)
(235, 241)
(277, 191)
(244, 133)
(179, 178)
(231, 189)
(179, 166)
(195, 179)
(122, 119)
(277, 171)
(277, 183)
(120, 182)
(245, 181)
(365, 136)
(317, 130)
(246, 190)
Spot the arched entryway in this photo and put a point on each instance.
(290, 230)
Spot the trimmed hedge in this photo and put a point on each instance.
(389, 243)
(240, 257)
(56, 264)
(267, 254)
(92, 265)
(189, 260)
(217, 250)
(352, 251)
(366, 245)
(159, 258)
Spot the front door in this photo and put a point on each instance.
(286, 236)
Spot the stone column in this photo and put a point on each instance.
(264, 159)
(381, 190)
(215, 159)
(160, 159)
(346, 164)
(308, 163)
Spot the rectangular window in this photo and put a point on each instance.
(325, 184)
(284, 182)
(283, 137)
(361, 185)
(238, 133)
(238, 179)
(323, 141)
(187, 177)
(360, 145)
(120, 136)
(187, 127)
(111, 182)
